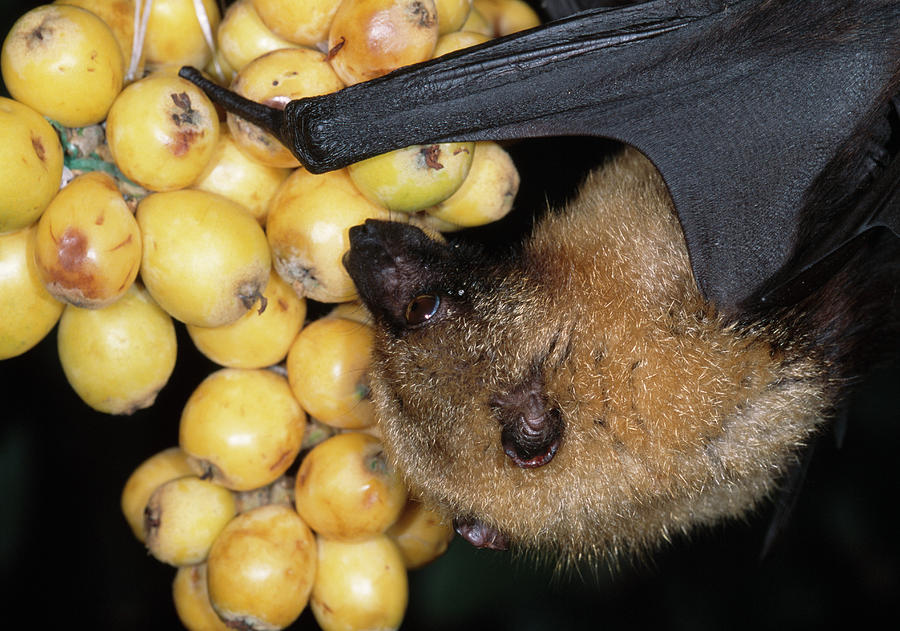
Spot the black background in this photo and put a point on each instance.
(65, 545)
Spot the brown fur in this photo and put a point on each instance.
(674, 417)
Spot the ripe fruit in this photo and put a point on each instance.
(307, 228)
(183, 517)
(275, 79)
(205, 260)
(243, 36)
(32, 165)
(174, 33)
(457, 40)
(88, 244)
(27, 310)
(451, 14)
(476, 23)
(119, 357)
(359, 585)
(328, 366)
(507, 16)
(301, 21)
(233, 174)
(421, 534)
(255, 340)
(119, 17)
(413, 178)
(161, 131)
(354, 310)
(191, 598)
(242, 428)
(487, 193)
(64, 62)
(261, 568)
(345, 489)
(370, 38)
(156, 470)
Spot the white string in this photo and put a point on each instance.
(141, 19)
(205, 26)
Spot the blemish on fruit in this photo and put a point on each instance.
(183, 141)
(73, 247)
(38, 145)
(123, 243)
(335, 49)
(278, 464)
(420, 13)
(183, 102)
(41, 32)
(431, 154)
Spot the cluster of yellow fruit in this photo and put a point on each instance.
(340, 535)
(166, 213)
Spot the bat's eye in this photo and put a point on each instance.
(421, 309)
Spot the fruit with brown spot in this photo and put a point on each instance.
(88, 244)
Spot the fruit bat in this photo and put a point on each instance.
(655, 355)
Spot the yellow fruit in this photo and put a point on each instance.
(413, 178)
(206, 259)
(328, 369)
(156, 470)
(219, 69)
(354, 310)
(175, 35)
(275, 79)
(64, 62)
(421, 534)
(370, 38)
(161, 131)
(458, 40)
(432, 226)
(360, 585)
(477, 23)
(261, 568)
(32, 165)
(243, 36)
(307, 228)
(119, 17)
(27, 310)
(183, 517)
(301, 21)
(242, 428)
(119, 357)
(488, 192)
(233, 174)
(88, 245)
(345, 490)
(507, 16)
(191, 598)
(255, 340)
(451, 14)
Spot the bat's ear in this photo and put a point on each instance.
(389, 263)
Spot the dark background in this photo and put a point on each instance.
(65, 544)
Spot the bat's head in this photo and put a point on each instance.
(460, 369)
(576, 392)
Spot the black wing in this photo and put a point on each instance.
(770, 121)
